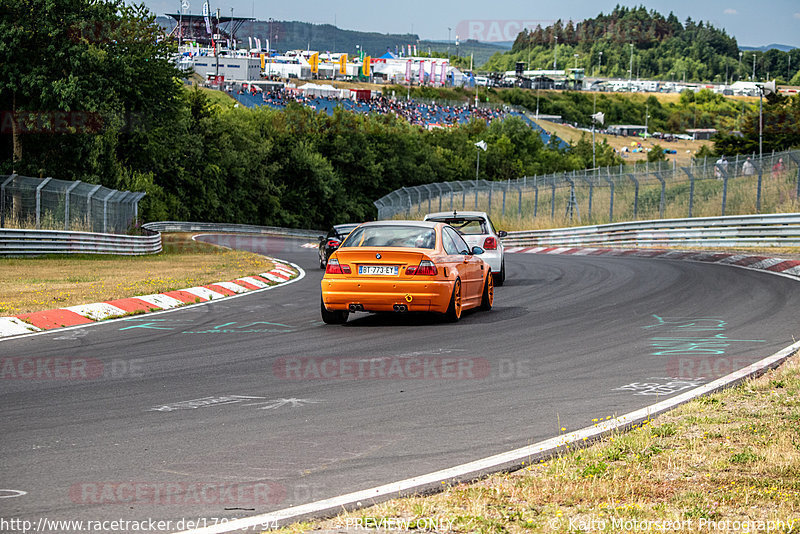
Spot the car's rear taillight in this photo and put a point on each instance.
(425, 268)
(333, 267)
(333, 243)
(490, 243)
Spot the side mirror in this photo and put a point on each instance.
(321, 238)
(477, 251)
(502, 233)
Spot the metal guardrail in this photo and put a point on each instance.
(27, 242)
(771, 230)
(14, 242)
(176, 226)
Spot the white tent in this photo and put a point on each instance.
(314, 90)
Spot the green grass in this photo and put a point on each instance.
(219, 98)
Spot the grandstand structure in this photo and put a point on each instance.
(193, 28)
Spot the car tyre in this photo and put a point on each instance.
(487, 299)
(332, 317)
(454, 310)
(500, 278)
(322, 263)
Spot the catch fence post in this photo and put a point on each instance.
(66, 203)
(451, 195)
(39, 200)
(611, 197)
(591, 193)
(690, 174)
(439, 190)
(663, 200)
(105, 210)
(635, 195)
(724, 188)
(3, 200)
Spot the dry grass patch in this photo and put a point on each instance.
(727, 458)
(572, 135)
(35, 284)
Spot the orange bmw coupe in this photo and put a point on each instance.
(403, 266)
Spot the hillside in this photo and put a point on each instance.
(647, 43)
(294, 35)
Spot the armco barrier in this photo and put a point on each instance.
(175, 226)
(771, 230)
(15, 242)
(27, 242)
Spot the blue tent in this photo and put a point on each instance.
(388, 55)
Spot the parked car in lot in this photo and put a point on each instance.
(330, 242)
(477, 230)
(402, 266)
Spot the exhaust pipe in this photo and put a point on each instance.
(400, 308)
(356, 307)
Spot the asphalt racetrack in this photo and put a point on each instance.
(251, 404)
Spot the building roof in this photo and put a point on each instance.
(222, 20)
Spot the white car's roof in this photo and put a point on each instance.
(425, 224)
(456, 214)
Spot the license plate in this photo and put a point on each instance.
(386, 270)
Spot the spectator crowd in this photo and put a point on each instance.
(423, 114)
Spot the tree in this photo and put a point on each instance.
(82, 77)
(781, 128)
(656, 154)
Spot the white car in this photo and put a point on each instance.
(477, 229)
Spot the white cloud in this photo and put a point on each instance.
(797, 15)
(730, 11)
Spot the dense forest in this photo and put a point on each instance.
(649, 45)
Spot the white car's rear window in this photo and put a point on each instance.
(465, 226)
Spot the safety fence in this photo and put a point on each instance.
(773, 230)
(47, 203)
(704, 187)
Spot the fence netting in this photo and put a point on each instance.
(50, 204)
(737, 185)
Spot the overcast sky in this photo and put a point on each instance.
(752, 22)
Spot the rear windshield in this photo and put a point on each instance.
(465, 226)
(392, 236)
